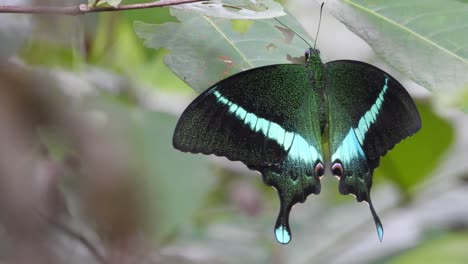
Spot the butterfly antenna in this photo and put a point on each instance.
(295, 33)
(320, 20)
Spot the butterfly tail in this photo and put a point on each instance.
(282, 230)
(378, 224)
(291, 189)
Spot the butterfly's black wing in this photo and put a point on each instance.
(267, 118)
(369, 112)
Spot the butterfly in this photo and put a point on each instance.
(276, 119)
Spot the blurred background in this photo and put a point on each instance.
(88, 173)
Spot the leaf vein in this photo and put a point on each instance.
(228, 40)
(421, 37)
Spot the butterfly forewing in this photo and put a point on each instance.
(251, 116)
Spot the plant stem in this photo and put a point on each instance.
(83, 8)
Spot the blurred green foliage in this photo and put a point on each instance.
(413, 159)
(191, 201)
(445, 248)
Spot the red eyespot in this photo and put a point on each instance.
(337, 170)
(319, 170)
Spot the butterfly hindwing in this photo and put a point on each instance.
(376, 105)
(267, 118)
(369, 113)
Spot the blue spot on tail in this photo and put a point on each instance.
(380, 231)
(282, 235)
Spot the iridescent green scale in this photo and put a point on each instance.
(273, 118)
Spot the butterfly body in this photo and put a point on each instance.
(274, 119)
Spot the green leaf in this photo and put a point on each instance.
(205, 50)
(148, 15)
(449, 248)
(178, 182)
(92, 2)
(113, 3)
(413, 159)
(424, 39)
(235, 9)
(52, 54)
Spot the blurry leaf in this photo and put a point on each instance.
(413, 159)
(148, 15)
(51, 54)
(113, 3)
(205, 50)
(450, 248)
(125, 52)
(55, 144)
(424, 39)
(235, 9)
(232, 243)
(117, 47)
(56, 41)
(178, 181)
(14, 29)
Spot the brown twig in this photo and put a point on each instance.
(93, 250)
(83, 8)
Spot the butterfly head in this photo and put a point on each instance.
(312, 56)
